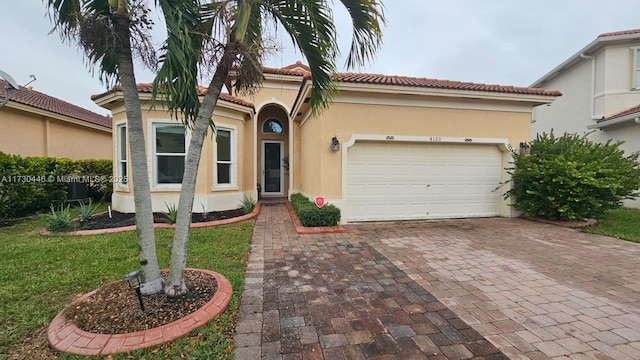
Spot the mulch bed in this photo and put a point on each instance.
(114, 308)
(118, 219)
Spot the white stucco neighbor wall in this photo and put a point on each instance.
(617, 94)
(600, 85)
(570, 112)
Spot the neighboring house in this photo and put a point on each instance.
(36, 124)
(388, 147)
(601, 92)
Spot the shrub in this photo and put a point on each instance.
(100, 171)
(60, 221)
(311, 215)
(247, 204)
(571, 178)
(30, 184)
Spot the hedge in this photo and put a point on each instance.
(572, 178)
(29, 185)
(310, 215)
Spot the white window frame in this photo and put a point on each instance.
(120, 184)
(153, 175)
(635, 68)
(233, 135)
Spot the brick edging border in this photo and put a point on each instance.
(254, 213)
(566, 224)
(311, 230)
(64, 336)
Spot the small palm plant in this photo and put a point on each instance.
(172, 213)
(87, 211)
(247, 204)
(60, 220)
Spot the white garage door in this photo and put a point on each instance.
(401, 181)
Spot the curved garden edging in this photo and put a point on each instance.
(311, 230)
(64, 336)
(248, 216)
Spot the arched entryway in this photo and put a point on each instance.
(273, 151)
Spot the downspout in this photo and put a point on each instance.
(592, 101)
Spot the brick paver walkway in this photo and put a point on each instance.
(454, 289)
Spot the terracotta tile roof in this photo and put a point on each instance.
(147, 88)
(618, 33)
(633, 110)
(379, 79)
(287, 70)
(42, 101)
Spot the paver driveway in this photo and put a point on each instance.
(457, 289)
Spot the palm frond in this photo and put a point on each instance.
(367, 17)
(309, 23)
(177, 77)
(248, 73)
(89, 25)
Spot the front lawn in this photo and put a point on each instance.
(40, 275)
(622, 223)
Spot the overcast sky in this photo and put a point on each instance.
(507, 42)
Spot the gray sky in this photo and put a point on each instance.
(507, 42)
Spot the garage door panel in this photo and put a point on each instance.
(394, 181)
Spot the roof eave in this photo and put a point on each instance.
(635, 117)
(305, 92)
(116, 96)
(53, 115)
(534, 99)
(576, 58)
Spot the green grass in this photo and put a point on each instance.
(622, 223)
(41, 275)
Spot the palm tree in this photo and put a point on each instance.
(310, 25)
(224, 33)
(111, 32)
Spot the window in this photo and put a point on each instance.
(225, 157)
(636, 69)
(169, 152)
(272, 126)
(121, 156)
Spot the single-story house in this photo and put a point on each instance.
(36, 124)
(388, 147)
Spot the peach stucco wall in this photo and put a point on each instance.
(208, 196)
(29, 134)
(321, 168)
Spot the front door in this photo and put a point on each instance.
(272, 174)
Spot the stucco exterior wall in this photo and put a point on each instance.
(591, 89)
(209, 197)
(618, 93)
(29, 134)
(282, 93)
(426, 117)
(572, 111)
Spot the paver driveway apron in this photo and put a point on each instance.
(533, 290)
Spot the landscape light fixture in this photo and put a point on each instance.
(525, 149)
(135, 279)
(335, 144)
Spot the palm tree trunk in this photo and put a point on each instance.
(141, 189)
(176, 285)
